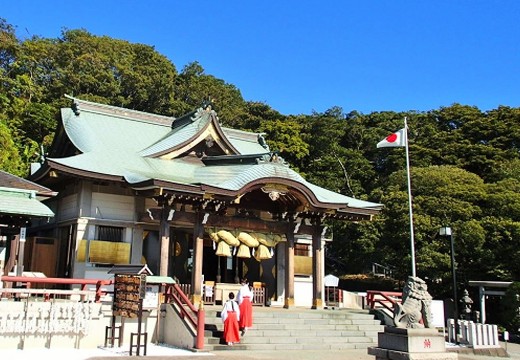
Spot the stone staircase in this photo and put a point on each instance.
(297, 329)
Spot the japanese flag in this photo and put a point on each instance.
(394, 140)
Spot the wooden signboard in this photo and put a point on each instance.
(129, 291)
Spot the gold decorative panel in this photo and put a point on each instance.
(82, 251)
(107, 252)
(302, 265)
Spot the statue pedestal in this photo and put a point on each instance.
(403, 344)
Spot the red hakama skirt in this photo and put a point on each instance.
(231, 329)
(246, 313)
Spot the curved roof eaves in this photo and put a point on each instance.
(99, 132)
(236, 177)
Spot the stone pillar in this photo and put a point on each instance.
(21, 251)
(317, 275)
(482, 298)
(289, 269)
(198, 249)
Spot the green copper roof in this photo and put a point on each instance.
(178, 136)
(127, 144)
(22, 202)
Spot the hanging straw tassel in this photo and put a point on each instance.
(223, 249)
(262, 253)
(243, 251)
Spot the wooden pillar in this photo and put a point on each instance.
(289, 269)
(198, 249)
(317, 275)
(164, 236)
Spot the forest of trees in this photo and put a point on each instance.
(465, 163)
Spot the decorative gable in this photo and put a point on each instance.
(198, 132)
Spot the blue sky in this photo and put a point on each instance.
(303, 56)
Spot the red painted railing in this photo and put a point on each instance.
(27, 282)
(195, 317)
(386, 299)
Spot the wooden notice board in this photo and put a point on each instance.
(129, 291)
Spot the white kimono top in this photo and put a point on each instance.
(230, 305)
(244, 291)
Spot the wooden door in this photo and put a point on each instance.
(44, 255)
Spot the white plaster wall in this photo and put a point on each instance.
(352, 300)
(303, 292)
(112, 207)
(95, 336)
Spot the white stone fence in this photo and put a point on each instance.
(475, 335)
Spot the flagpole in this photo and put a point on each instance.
(412, 242)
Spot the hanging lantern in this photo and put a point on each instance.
(243, 251)
(223, 249)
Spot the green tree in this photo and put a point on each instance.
(10, 160)
(193, 87)
(510, 308)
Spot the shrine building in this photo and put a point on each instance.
(189, 198)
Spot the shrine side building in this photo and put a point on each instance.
(189, 198)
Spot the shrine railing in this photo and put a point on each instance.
(25, 283)
(383, 299)
(173, 294)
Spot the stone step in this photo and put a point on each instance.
(304, 327)
(339, 314)
(276, 329)
(260, 347)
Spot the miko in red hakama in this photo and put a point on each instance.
(244, 297)
(230, 316)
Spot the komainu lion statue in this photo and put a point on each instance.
(414, 311)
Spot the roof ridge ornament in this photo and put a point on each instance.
(206, 108)
(272, 158)
(261, 141)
